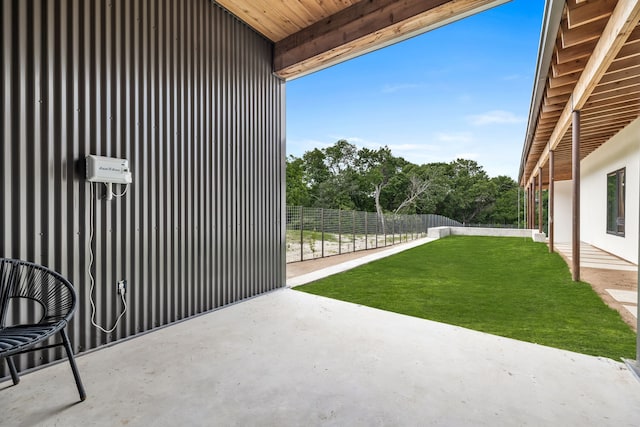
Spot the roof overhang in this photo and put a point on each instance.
(588, 60)
(310, 35)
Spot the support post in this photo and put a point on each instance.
(533, 203)
(518, 206)
(634, 365)
(532, 206)
(637, 367)
(551, 199)
(525, 210)
(575, 157)
(540, 202)
(526, 207)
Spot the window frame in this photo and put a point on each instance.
(616, 202)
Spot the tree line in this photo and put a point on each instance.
(343, 176)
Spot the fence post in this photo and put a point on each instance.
(339, 231)
(413, 227)
(353, 220)
(366, 232)
(301, 233)
(384, 230)
(322, 226)
(393, 230)
(377, 220)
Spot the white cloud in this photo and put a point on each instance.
(454, 137)
(495, 117)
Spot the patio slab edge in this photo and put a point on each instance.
(339, 268)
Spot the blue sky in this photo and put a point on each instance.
(462, 90)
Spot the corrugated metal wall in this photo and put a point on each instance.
(185, 92)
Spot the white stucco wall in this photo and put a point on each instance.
(562, 207)
(623, 150)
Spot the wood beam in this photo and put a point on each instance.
(560, 90)
(627, 72)
(571, 67)
(632, 96)
(613, 94)
(611, 108)
(617, 85)
(560, 99)
(584, 13)
(365, 26)
(582, 34)
(552, 108)
(621, 24)
(575, 52)
(623, 21)
(629, 50)
(564, 80)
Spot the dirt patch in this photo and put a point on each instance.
(601, 279)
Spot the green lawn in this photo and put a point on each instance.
(505, 286)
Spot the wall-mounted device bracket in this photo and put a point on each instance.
(108, 170)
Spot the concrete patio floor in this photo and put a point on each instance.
(592, 257)
(291, 359)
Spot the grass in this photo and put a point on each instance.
(504, 286)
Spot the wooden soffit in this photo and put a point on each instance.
(594, 68)
(313, 34)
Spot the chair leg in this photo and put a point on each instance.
(13, 370)
(72, 362)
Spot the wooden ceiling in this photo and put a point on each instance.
(594, 68)
(313, 34)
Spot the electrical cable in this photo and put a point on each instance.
(126, 187)
(91, 278)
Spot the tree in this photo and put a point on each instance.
(342, 176)
(505, 208)
(432, 184)
(471, 191)
(297, 189)
(377, 167)
(330, 175)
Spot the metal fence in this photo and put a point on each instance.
(317, 233)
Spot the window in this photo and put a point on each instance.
(615, 202)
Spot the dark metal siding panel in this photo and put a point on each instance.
(185, 92)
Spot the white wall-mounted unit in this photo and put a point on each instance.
(108, 169)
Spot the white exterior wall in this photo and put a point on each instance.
(622, 151)
(562, 207)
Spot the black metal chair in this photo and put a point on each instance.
(56, 297)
